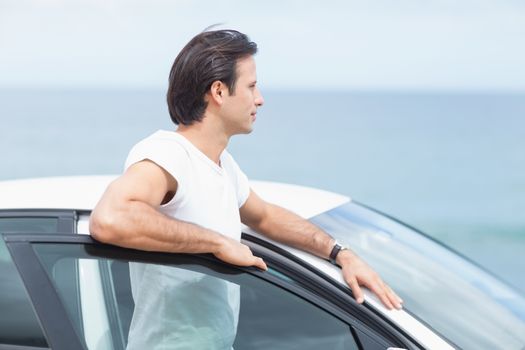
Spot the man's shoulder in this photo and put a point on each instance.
(162, 140)
(161, 135)
(161, 148)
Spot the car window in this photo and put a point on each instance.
(475, 310)
(18, 321)
(184, 301)
(28, 224)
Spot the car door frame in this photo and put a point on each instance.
(365, 324)
(66, 218)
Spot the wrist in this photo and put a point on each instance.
(345, 256)
(339, 253)
(218, 242)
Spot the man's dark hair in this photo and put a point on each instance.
(208, 57)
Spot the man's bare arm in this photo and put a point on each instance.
(127, 216)
(287, 227)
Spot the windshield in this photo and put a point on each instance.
(461, 301)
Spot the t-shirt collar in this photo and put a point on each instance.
(198, 152)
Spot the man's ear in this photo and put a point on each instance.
(217, 92)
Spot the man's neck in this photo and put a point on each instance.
(206, 139)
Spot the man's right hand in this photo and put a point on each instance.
(239, 254)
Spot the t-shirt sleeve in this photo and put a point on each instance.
(242, 183)
(168, 154)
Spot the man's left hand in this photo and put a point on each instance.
(357, 273)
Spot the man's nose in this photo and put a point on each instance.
(259, 100)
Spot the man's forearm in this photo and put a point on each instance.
(287, 227)
(140, 226)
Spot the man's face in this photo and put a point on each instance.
(239, 109)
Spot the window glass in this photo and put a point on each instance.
(187, 303)
(28, 225)
(459, 300)
(18, 321)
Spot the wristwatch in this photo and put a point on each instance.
(335, 251)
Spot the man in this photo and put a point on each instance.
(183, 192)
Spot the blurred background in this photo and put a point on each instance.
(416, 108)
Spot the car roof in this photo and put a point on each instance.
(83, 192)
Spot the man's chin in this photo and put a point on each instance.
(245, 131)
(242, 130)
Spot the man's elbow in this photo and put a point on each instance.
(102, 227)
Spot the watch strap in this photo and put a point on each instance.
(335, 250)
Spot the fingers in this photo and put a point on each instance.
(252, 260)
(351, 280)
(379, 289)
(394, 299)
(385, 294)
(356, 290)
(259, 262)
(256, 261)
(397, 301)
(237, 253)
(374, 283)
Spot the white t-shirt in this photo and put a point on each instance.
(177, 308)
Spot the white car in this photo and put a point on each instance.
(61, 289)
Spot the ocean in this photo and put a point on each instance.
(451, 165)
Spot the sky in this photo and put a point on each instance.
(303, 45)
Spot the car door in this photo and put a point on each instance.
(289, 306)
